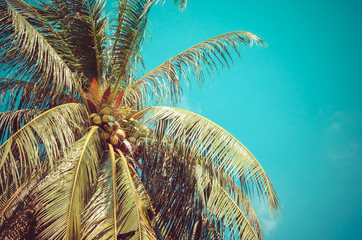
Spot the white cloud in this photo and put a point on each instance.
(192, 107)
(268, 222)
(342, 139)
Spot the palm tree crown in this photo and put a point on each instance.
(89, 152)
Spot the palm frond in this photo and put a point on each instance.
(127, 39)
(224, 200)
(26, 53)
(81, 25)
(18, 94)
(169, 178)
(179, 181)
(100, 214)
(120, 206)
(217, 144)
(180, 3)
(164, 82)
(10, 202)
(135, 206)
(12, 121)
(65, 192)
(24, 152)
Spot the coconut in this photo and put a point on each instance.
(116, 125)
(120, 134)
(105, 135)
(108, 128)
(105, 111)
(97, 119)
(107, 118)
(113, 139)
(132, 139)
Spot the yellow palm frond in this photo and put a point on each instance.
(135, 207)
(214, 143)
(10, 201)
(100, 214)
(26, 53)
(24, 152)
(165, 80)
(224, 200)
(64, 193)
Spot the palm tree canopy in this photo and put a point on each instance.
(89, 151)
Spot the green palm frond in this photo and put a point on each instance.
(165, 80)
(127, 39)
(224, 200)
(9, 202)
(81, 25)
(217, 144)
(100, 214)
(135, 206)
(23, 152)
(26, 53)
(65, 192)
(18, 94)
(12, 121)
(169, 178)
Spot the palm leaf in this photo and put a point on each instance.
(10, 201)
(100, 214)
(65, 192)
(135, 206)
(179, 179)
(48, 28)
(125, 206)
(18, 94)
(82, 27)
(127, 39)
(168, 175)
(228, 204)
(165, 80)
(12, 121)
(27, 54)
(217, 144)
(23, 152)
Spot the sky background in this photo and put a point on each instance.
(295, 104)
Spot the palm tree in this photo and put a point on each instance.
(88, 152)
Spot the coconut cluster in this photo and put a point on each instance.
(113, 131)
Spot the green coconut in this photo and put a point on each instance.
(120, 134)
(97, 119)
(108, 128)
(105, 135)
(107, 118)
(116, 125)
(113, 139)
(105, 111)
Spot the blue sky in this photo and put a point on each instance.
(295, 104)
